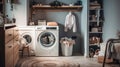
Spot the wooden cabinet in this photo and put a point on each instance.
(96, 21)
(9, 48)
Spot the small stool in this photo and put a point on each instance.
(25, 47)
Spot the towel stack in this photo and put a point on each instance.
(52, 24)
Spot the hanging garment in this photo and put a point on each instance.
(70, 22)
(98, 16)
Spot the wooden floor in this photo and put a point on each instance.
(83, 61)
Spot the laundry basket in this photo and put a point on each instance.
(67, 46)
(67, 50)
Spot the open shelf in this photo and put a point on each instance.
(95, 32)
(96, 44)
(94, 4)
(59, 8)
(95, 21)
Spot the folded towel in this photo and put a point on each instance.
(52, 24)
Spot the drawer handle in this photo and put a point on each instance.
(9, 34)
(9, 46)
(17, 30)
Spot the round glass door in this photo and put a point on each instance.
(47, 39)
(28, 38)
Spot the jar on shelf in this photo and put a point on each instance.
(94, 29)
(93, 17)
(99, 29)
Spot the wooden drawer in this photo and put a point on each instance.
(16, 39)
(16, 31)
(8, 35)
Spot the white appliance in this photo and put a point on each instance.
(47, 41)
(28, 32)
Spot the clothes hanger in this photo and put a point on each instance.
(70, 12)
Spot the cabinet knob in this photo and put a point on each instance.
(9, 46)
(16, 40)
(9, 34)
(17, 30)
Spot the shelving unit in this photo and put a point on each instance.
(47, 8)
(59, 8)
(96, 21)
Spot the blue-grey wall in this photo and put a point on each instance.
(84, 28)
(60, 18)
(112, 19)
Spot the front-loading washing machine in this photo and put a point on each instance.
(28, 33)
(47, 41)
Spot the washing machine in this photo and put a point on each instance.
(28, 32)
(47, 41)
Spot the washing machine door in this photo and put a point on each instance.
(46, 39)
(27, 37)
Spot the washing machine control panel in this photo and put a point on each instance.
(40, 28)
(47, 28)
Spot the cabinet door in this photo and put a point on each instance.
(16, 51)
(9, 54)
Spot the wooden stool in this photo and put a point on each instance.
(25, 47)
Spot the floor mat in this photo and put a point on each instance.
(46, 62)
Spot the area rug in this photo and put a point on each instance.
(46, 62)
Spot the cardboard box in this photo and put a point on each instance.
(101, 58)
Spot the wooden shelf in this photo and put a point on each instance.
(95, 21)
(59, 8)
(96, 44)
(96, 9)
(95, 32)
(94, 4)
